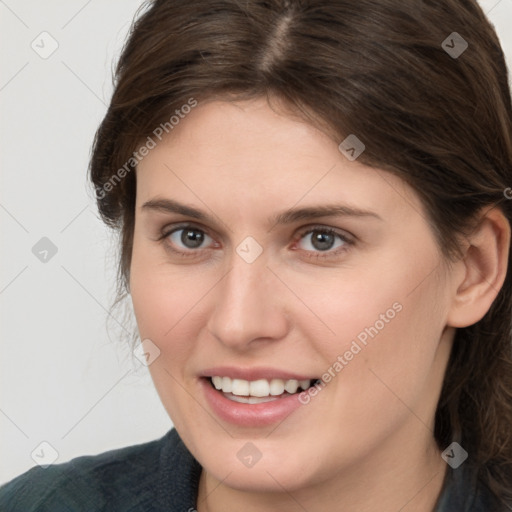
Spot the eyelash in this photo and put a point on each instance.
(347, 241)
(185, 254)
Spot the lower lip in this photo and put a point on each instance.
(249, 415)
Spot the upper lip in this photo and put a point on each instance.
(252, 374)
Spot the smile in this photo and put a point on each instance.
(259, 391)
(253, 397)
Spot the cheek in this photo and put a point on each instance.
(164, 304)
(381, 334)
(392, 296)
(164, 301)
(162, 295)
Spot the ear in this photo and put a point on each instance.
(484, 267)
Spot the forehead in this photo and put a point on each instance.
(250, 157)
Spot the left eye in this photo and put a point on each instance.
(189, 238)
(321, 240)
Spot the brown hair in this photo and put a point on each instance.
(375, 68)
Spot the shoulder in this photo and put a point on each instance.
(124, 479)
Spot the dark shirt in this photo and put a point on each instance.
(161, 476)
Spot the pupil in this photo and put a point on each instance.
(192, 238)
(322, 241)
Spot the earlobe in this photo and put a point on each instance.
(484, 269)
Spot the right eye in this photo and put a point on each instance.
(187, 238)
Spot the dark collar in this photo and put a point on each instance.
(463, 492)
(179, 476)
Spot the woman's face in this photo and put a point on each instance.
(263, 256)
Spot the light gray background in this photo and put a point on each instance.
(66, 379)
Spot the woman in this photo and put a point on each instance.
(315, 232)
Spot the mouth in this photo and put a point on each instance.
(258, 391)
(256, 396)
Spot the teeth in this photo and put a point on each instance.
(239, 387)
(291, 385)
(258, 388)
(261, 388)
(251, 399)
(227, 385)
(304, 384)
(276, 387)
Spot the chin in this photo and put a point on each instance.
(260, 465)
(262, 478)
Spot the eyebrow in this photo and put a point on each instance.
(286, 217)
(334, 210)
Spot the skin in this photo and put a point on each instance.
(365, 441)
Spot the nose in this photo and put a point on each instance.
(248, 307)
